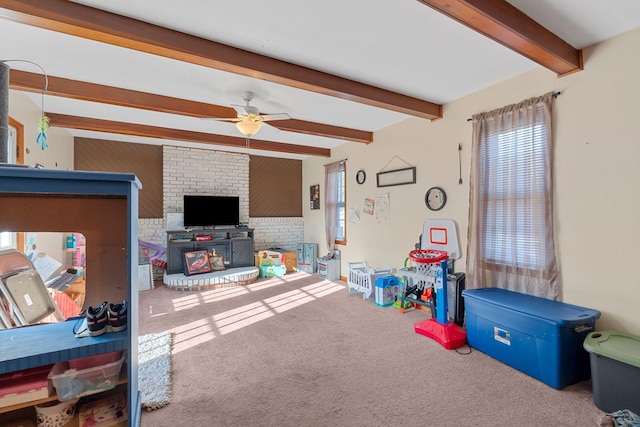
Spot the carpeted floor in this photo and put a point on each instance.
(301, 351)
(154, 369)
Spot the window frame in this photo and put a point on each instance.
(492, 257)
(341, 217)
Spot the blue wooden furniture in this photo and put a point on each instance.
(104, 208)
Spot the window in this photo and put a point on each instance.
(7, 240)
(341, 236)
(514, 228)
(335, 204)
(511, 241)
(12, 145)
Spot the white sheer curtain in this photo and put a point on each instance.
(331, 180)
(511, 239)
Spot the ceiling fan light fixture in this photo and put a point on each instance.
(248, 127)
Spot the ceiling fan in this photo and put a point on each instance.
(249, 120)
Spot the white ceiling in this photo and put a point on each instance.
(402, 45)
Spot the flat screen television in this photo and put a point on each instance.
(210, 211)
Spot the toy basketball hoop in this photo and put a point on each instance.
(427, 256)
(438, 244)
(427, 261)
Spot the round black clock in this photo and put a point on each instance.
(361, 176)
(435, 199)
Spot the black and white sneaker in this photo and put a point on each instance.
(118, 316)
(97, 319)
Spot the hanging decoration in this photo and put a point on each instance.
(43, 125)
(460, 163)
(43, 121)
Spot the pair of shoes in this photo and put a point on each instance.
(113, 315)
(118, 316)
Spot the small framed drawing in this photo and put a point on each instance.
(216, 261)
(315, 196)
(196, 262)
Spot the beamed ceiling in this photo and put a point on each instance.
(124, 71)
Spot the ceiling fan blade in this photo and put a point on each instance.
(271, 117)
(223, 119)
(240, 109)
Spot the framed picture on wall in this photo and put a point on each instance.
(315, 196)
(396, 177)
(196, 262)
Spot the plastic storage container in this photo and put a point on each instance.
(24, 386)
(537, 336)
(615, 370)
(73, 383)
(387, 289)
(272, 271)
(55, 413)
(95, 360)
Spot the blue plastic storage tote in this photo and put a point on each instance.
(537, 336)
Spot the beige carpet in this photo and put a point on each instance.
(300, 351)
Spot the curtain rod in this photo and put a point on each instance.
(555, 95)
(337, 161)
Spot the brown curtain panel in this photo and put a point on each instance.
(141, 159)
(275, 187)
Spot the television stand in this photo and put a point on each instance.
(234, 244)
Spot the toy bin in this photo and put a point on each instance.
(540, 337)
(615, 370)
(95, 360)
(24, 386)
(387, 289)
(272, 271)
(74, 383)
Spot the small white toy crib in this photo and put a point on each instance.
(362, 278)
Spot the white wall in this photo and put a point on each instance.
(597, 150)
(59, 154)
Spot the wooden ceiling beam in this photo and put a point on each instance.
(57, 86)
(502, 22)
(95, 24)
(108, 126)
(320, 129)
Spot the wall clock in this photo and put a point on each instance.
(361, 176)
(435, 199)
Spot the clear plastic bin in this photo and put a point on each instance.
(84, 363)
(74, 383)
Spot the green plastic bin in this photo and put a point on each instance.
(615, 370)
